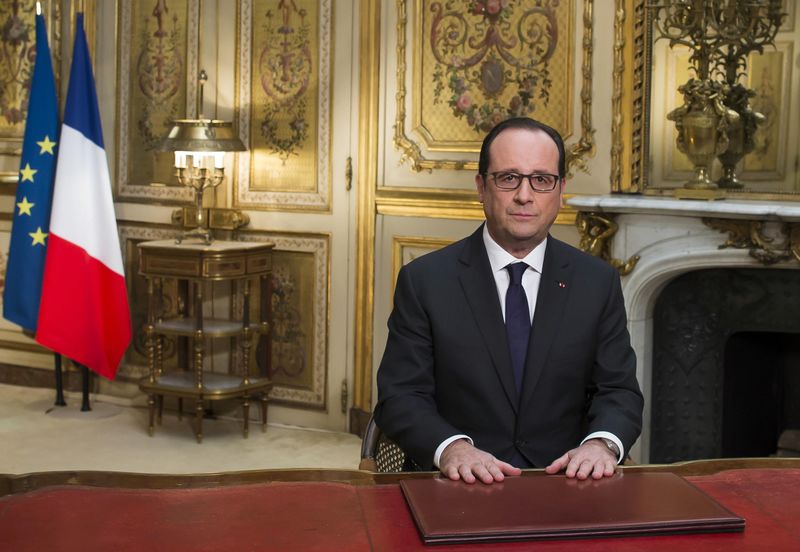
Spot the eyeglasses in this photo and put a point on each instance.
(540, 182)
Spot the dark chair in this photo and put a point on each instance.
(378, 453)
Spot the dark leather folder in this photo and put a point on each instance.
(545, 507)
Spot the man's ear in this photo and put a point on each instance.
(480, 185)
(561, 185)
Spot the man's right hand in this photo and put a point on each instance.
(461, 460)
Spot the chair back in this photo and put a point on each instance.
(379, 453)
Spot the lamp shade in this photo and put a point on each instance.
(201, 135)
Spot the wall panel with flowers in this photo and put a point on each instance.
(465, 65)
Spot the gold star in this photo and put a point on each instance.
(27, 173)
(46, 145)
(38, 236)
(25, 207)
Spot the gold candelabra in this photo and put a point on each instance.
(716, 119)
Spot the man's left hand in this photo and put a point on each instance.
(592, 458)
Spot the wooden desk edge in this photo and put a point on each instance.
(22, 483)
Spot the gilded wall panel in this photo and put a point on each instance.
(770, 75)
(471, 64)
(17, 57)
(156, 83)
(407, 248)
(284, 94)
(300, 307)
(487, 61)
(678, 167)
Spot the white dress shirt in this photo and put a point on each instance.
(499, 259)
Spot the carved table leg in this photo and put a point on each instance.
(246, 414)
(151, 403)
(264, 400)
(198, 420)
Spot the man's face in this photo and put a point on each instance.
(518, 220)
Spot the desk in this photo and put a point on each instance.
(324, 510)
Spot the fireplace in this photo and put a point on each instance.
(726, 361)
(694, 377)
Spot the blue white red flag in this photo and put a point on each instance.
(84, 313)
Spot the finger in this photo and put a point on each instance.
(585, 469)
(466, 473)
(573, 466)
(480, 471)
(558, 464)
(599, 470)
(452, 473)
(496, 471)
(507, 468)
(611, 467)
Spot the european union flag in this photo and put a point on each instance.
(31, 222)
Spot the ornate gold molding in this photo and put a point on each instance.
(368, 138)
(401, 243)
(577, 153)
(629, 130)
(749, 234)
(597, 231)
(447, 204)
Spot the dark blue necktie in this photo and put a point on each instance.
(518, 321)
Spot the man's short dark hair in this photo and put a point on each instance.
(525, 123)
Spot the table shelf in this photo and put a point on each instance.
(211, 327)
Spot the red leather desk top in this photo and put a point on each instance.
(338, 516)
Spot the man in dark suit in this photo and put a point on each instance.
(491, 367)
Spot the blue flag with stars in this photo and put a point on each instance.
(31, 222)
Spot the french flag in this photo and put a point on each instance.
(84, 313)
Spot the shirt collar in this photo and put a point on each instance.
(499, 258)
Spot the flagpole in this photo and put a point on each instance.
(59, 381)
(85, 376)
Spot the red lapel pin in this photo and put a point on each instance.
(562, 285)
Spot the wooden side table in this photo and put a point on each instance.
(195, 264)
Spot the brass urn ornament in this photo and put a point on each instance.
(703, 122)
(741, 134)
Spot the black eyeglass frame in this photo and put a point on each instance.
(521, 177)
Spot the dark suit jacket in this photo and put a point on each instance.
(447, 370)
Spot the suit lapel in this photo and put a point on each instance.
(554, 287)
(480, 290)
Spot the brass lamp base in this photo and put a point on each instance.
(203, 235)
(217, 219)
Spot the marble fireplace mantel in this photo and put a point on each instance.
(736, 209)
(670, 238)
